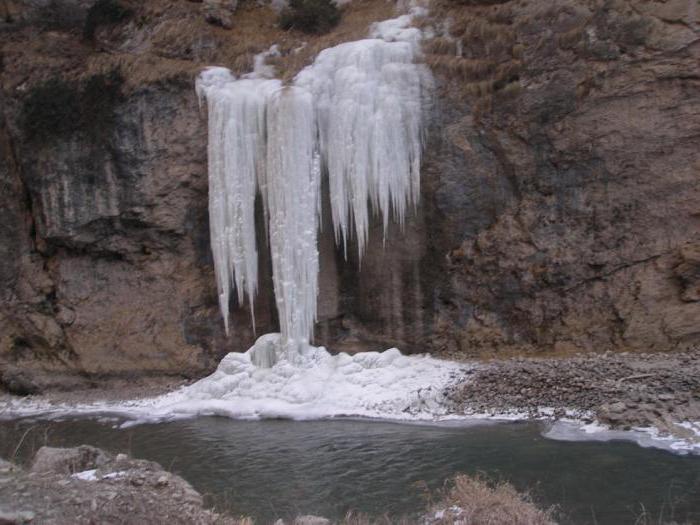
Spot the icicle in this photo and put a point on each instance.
(236, 162)
(369, 96)
(293, 185)
(355, 113)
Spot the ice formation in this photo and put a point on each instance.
(355, 114)
(316, 385)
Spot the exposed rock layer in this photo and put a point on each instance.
(560, 194)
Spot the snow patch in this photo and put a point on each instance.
(313, 385)
(648, 437)
(86, 475)
(91, 475)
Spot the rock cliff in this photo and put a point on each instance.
(560, 203)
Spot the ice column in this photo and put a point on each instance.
(355, 114)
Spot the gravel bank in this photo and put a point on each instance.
(622, 390)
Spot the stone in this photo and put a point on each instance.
(18, 382)
(219, 12)
(688, 272)
(6, 467)
(68, 460)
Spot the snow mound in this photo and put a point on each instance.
(316, 384)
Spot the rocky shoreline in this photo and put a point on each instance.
(84, 485)
(621, 390)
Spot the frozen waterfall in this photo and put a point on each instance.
(354, 115)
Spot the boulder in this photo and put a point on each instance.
(688, 272)
(68, 460)
(18, 382)
(219, 12)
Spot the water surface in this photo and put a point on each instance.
(279, 468)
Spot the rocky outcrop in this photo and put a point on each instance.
(569, 182)
(559, 204)
(87, 485)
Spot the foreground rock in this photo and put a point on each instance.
(622, 390)
(85, 485)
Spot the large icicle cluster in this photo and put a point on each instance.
(354, 114)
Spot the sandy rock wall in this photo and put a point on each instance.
(559, 210)
(579, 152)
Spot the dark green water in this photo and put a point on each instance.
(270, 469)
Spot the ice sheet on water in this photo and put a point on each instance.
(643, 436)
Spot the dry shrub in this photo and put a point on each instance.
(104, 12)
(491, 58)
(467, 70)
(485, 502)
(570, 39)
(441, 46)
(357, 518)
(310, 16)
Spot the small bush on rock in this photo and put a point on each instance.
(310, 16)
(103, 13)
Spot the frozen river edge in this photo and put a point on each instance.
(386, 386)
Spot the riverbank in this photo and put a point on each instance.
(84, 485)
(623, 391)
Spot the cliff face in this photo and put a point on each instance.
(583, 165)
(560, 207)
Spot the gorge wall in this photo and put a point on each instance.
(560, 206)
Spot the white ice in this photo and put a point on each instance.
(91, 475)
(86, 475)
(356, 114)
(314, 385)
(643, 436)
(237, 124)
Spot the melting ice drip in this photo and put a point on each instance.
(355, 114)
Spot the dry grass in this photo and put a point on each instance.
(170, 39)
(471, 500)
(464, 69)
(490, 56)
(354, 25)
(484, 502)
